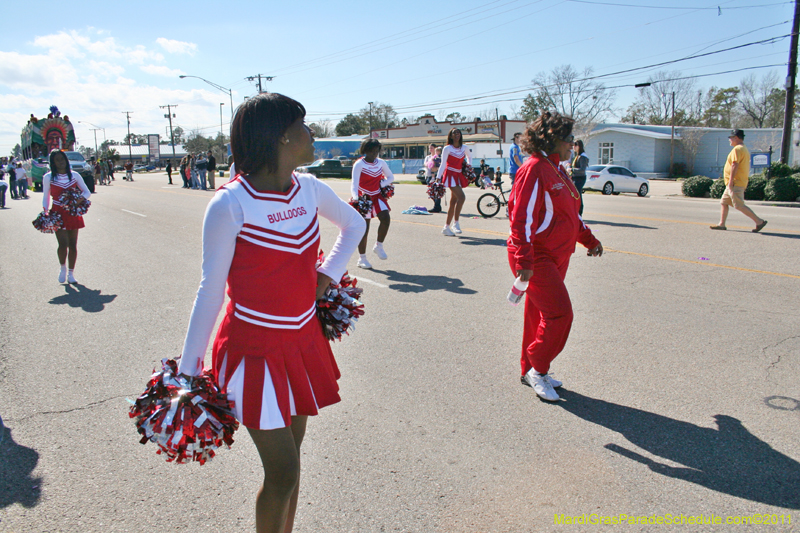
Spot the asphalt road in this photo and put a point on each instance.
(681, 390)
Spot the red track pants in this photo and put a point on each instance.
(548, 313)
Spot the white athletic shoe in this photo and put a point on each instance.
(447, 232)
(62, 275)
(456, 227)
(540, 385)
(379, 251)
(363, 263)
(71, 278)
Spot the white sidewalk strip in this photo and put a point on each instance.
(133, 213)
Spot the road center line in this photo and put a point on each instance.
(133, 213)
(381, 285)
(664, 258)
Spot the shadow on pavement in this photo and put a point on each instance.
(728, 459)
(784, 235)
(479, 241)
(16, 464)
(415, 283)
(81, 296)
(615, 224)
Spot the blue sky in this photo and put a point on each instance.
(95, 60)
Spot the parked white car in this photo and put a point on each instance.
(614, 179)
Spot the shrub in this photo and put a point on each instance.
(780, 170)
(718, 188)
(678, 170)
(796, 178)
(696, 186)
(782, 190)
(755, 188)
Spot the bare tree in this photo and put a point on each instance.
(690, 145)
(754, 96)
(653, 105)
(571, 93)
(323, 128)
(380, 116)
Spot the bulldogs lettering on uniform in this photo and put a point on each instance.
(286, 215)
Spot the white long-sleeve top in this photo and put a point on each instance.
(457, 152)
(223, 222)
(377, 168)
(63, 179)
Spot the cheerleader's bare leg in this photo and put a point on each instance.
(276, 503)
(72, 253)
(457, 198)
(63, 245)
(362, 246)
(383, 228)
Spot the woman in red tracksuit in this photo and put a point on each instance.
(545, 226)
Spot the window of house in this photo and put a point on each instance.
(605, 153)
(417, 152)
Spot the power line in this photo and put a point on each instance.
(718, 8)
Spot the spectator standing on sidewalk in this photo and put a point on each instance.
(3, 187)
(202, 168)
(212, 167)
(129, 171)
(580, 162)
(169, 171)
(183, 166)
(110, 170)
(12, 180)
(22, 181)
(737, 174)
(431, 164)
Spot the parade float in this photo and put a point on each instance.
(39, 137)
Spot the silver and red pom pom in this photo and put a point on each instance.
(48, 222)
(387, 192)
(339, 309)
(362, 204)
(436, 190)
(70, 198)
(188, 418)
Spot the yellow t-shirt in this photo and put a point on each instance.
(739, 155)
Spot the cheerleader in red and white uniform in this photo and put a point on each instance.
(370, 173)
(54, 183)
(451, 175)
(261, 237)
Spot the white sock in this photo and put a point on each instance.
(363, 256)
(63, 269)
(71, 271)
(378, 244)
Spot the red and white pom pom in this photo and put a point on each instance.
(362, 204)
(436, 190)
(69, 199)
(339, 309)
(48, 222)
(188, 418)
(387, 192)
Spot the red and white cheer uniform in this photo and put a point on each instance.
(545, 226)
(269, 354)
(368, 178)
(451, 172)
(53, 187)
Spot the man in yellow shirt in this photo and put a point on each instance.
(736, 174)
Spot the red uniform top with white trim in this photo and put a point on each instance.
(544, 215)
(368, 178)
(451, 170)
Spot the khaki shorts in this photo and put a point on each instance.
(736, 200)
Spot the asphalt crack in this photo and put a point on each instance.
(72, 410)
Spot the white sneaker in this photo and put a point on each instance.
(456, 227)
(379, 251)
(71, 278)
(447, 232)
(62, 275)
(552, 381)
(540, 385)
(363, 263)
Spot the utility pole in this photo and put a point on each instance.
(672, 139)
(95, 143)
(220, 121)
(128, 116)
(170, 115)
(499, 133)
(788, 112)
(258, 77)
(370, 119)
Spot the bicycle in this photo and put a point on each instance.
(489, 204)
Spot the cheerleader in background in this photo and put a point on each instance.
(370, 173)
(452, 176)
(261, 236)
(54, 183)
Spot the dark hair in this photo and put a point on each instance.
(53, 155)
(581, 150)
(369, 144)
(542, 134)
(516, 135)
(257, 128)
(450, 136)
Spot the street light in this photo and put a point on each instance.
(219, 87)
(96, 153)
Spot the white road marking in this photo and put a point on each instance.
(381, 285)
(133, 213)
